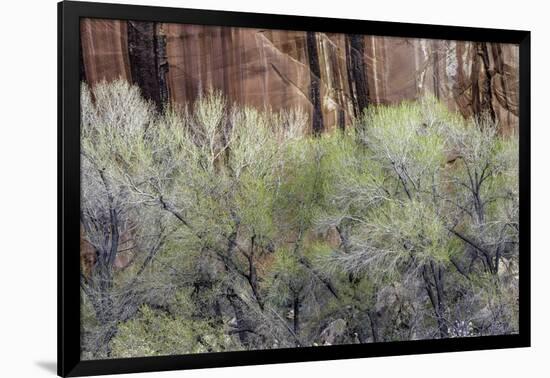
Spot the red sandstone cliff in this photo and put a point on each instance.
(331, 76)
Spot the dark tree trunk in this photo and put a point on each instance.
(296, 308)
(315, 83)
(239, 316)
(436, 297)
(373, 319)
(148, 62)
(356, 68)
(253, 275)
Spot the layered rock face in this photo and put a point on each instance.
(331, 76)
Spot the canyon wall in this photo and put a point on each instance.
(331, 76)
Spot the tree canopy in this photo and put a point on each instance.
(215, 227)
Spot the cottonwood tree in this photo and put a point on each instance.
(114, 120)
(415, 204)
(213, 171)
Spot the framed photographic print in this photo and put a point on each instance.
(239, 188)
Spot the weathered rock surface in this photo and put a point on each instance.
(331, 76)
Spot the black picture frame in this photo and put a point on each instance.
(69, 14)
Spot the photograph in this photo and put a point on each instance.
(246, 189)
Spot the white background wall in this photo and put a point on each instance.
(28, 186)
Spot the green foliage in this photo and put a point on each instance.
(286, 277)
(155, 333)
(247, 233)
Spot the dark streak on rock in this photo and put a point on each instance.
(436, 78)
(482, 103)
(145, 46)
(356, 68)
(315, 83)
(161, 63)
(488, 87)
(82, 67)
(500, 72)
(341, 119)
